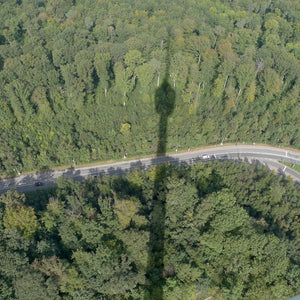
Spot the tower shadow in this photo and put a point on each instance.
(164, 106)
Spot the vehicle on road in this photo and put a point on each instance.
(269, 156)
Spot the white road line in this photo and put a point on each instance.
(227, 152)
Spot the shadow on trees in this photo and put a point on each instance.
(164, 106)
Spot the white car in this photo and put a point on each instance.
(205, 156)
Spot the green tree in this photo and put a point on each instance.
(31, 285)
(84, 67)
(21, 218)
(102, 65)
(145, 74)
(124, 81)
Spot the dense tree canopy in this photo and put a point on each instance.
(73, 72)
(230, 231)
(78, 81)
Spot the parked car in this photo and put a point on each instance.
(205, 156)
(38, 183)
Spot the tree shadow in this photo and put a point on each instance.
(164, 106)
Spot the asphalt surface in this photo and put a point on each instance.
(269, 156)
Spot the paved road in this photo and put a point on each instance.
(254, 154)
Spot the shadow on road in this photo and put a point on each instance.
(164, 105)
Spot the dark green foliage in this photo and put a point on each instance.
(72, 73)
(230, 231)
(31, 285)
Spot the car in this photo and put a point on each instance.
(38, 183)
(205, 156)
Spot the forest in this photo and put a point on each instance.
(228, 230)
(78, 77)
(78, 83)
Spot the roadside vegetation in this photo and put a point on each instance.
(293, 166)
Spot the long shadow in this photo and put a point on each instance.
(164, 106)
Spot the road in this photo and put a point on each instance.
(270, 156)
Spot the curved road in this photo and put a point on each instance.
(270, 156)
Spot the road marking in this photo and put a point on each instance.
(223, 153)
